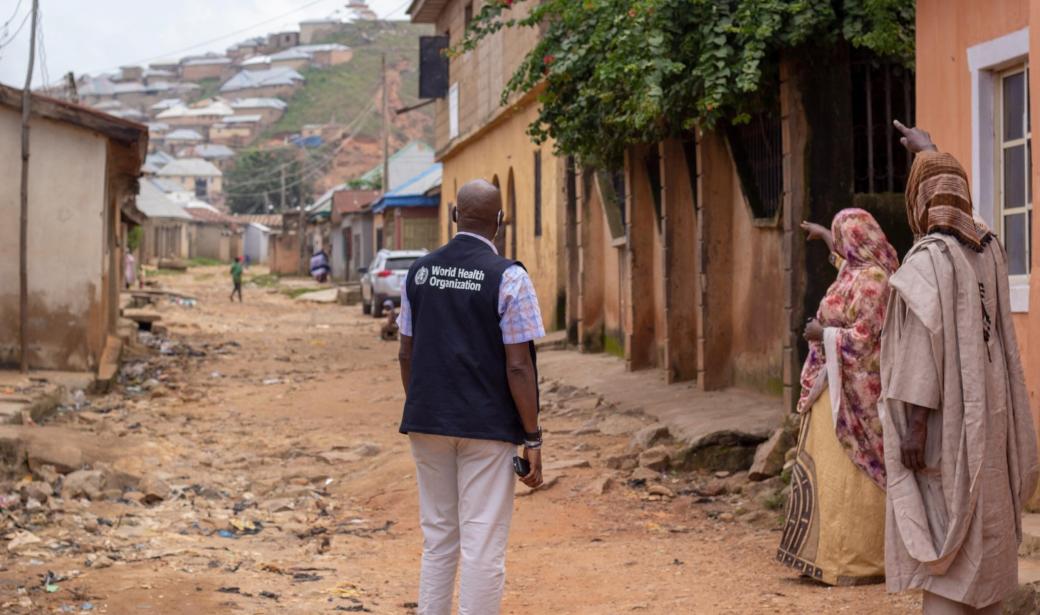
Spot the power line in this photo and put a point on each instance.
(403, 5)
(311, 173)
(41, 45)
(278, 169)
(17, 7)
(16, 32)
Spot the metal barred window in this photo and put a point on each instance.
(881, 92)
(757, 150)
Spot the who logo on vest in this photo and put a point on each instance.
(421, 276)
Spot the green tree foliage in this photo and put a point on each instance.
(621, 72)
(133, 238)
(254, 184)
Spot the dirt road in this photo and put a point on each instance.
(287, 489)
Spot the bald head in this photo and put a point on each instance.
(479, 202)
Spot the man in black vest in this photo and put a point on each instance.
(468, 323)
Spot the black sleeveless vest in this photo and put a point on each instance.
(458, 385)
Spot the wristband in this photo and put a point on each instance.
(533, 436)
(535, 445)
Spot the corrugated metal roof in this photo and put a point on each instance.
(243, 119)
(128, 114)
(208, 61)
(412, 193)
(168, 186)
(213, 150)
(258, 103)
(191, 167)
(183, 134)
(272, 221)
(215, 108)
(290, 54)
(261, 78)
(208, 214)
(154, 203)
(167, 103)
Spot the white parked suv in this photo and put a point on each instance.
(384, 279)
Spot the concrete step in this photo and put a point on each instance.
(555, 340)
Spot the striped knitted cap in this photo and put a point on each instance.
(938, 200)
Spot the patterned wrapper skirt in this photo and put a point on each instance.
(835, 528)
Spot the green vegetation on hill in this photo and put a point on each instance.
(208, 87)
(342, 92)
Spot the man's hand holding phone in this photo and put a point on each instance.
(531, 462)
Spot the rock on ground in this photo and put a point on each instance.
(37, 490)
(599, 485)
(769, 456)
(83, 483)
(62, 455)
(648, 437)
(154, 490)
(656, 458)
(566, 464)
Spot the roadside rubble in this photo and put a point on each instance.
(63, 501)
(653, 464)
(101, 512)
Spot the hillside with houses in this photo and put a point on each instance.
(274, 124)
(312, 96)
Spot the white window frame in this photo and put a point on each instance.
(453, 111)
(1001, 144)
(986, 62)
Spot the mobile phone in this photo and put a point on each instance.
(521, 466)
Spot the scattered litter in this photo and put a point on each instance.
(226, 534)
(87, 606)
(272, 568)
(51, 588)
(306, 577)
(272, 381)
(271, 595)
(245, 527)
(229, 590)
(345, 590)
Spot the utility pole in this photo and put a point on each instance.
(283, 189)
(386, 132)
(71, 90)
(23, 234)
(303, 227)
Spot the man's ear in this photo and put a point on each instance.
(455, 214)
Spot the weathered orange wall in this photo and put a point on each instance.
(945, 31)
(758, 307)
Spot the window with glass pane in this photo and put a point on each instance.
(1014, 135)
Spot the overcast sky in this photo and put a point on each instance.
(91, 36)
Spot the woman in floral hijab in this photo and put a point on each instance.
(835, 519)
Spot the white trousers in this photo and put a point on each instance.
(465, 507)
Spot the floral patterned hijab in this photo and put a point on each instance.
(860, 242)
(853, 312)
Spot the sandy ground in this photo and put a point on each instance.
(292, 434)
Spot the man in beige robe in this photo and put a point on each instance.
(960, 448)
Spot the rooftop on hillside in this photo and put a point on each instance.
(248, 79)
(190, 167)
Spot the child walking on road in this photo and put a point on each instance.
(236, 279)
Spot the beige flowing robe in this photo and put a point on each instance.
(949, 344)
